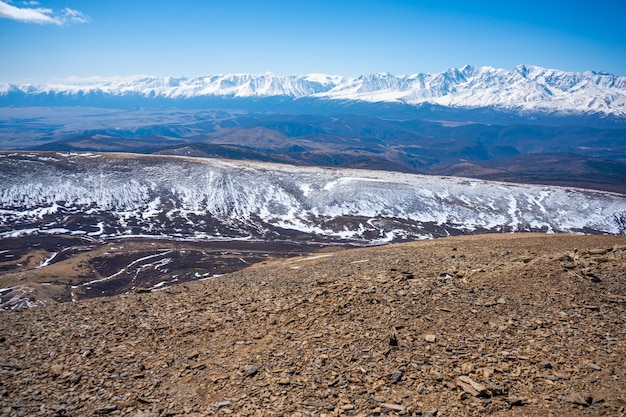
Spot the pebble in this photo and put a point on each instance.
(594, 366)
(430, 338)
(221, 404)
(579, 399)
(432, 412)
(250, 370)
(396, 376)
(105, 409)
(393, 407)
(470, 386)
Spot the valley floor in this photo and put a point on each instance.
(505, 325)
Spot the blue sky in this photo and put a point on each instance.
(50, 40)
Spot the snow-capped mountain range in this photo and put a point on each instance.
(522, 89)
(115, 195)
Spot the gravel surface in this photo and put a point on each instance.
(505, 325)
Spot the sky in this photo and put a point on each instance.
(48, 41)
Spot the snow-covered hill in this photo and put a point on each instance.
(118, 195)
(522, 89)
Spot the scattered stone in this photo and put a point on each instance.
(545, 364)
(593, 278)
(393, 407)
(432, 412)
(106, 409)
(599, 251)
(594, 366)
(250, 370)
(221, 404)
(430, 338)
(467, 368)
(396, 377)
(470, 386)
(407, 275)
(501, 300)
(284, 381)
(580, 399)
(515, 401)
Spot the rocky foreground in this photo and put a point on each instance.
(506, 325)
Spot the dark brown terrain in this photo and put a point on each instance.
(36, 270)
(505, 325)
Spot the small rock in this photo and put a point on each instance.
(599, 251)
(593, 278)
(579, 399)
(145, 414)
(393, 407)
(432, 412)
(545, 364)
(501, 300)
(562, 375)
(407, 275)
(284, 381)
(221, 404)
(106, 409)
(594, 366)
(515, 401)
(430, 338)
(347, 407)
(437, 376)
(393, 340)
(396, 376)
(470, 386)
(467, 368)
(250, 370)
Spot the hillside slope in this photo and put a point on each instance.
(484, 325)
(122, 195)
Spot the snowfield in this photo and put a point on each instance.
(128, 195)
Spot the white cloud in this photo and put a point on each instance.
(74, 16)
(41, 15)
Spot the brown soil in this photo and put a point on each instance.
(48, 269)
(505, 325)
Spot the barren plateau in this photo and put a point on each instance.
(503, 325)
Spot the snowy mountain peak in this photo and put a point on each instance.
(524, 88)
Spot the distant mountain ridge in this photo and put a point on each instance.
(524, 89)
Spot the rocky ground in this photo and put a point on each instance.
(505, 325)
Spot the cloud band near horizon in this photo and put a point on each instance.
(40, 15)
